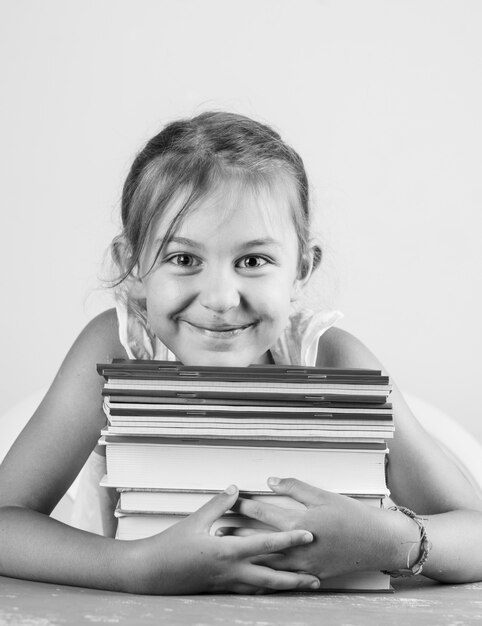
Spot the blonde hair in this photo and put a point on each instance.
(194, 155)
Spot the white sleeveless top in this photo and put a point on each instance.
(297, 345)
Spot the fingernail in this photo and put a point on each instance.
(272, 480)
(231, 489)
(315, 584)
(307, 538)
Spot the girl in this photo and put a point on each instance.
(214, 253)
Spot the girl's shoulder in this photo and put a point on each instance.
(101, 336)
(339, 348)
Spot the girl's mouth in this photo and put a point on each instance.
(220, 331)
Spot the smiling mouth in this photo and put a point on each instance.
(221, 331)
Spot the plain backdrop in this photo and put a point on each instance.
(381, 98)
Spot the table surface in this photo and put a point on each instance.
(417, 601)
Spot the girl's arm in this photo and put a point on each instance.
(421, 477)
(351, 536)
(46, 458)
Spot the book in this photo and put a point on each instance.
(372, 581)
(315, 395)
(186, 502)
(159, 402)
(138, 524)
(344, 467)
(165, 368)
(132, 526)
(265, 426)
(261, 434)
(161, 406)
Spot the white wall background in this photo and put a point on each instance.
(381, 98)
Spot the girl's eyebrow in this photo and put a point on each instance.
(266, 241)
(182, 241)
(185, 241)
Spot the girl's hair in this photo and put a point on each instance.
(194, 155)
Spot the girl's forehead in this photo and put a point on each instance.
(266, 206)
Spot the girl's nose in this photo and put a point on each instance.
(219, 291)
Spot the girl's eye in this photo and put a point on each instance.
(252, 262)
(184, 260)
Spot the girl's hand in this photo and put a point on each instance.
(349, 535)
(187, 559)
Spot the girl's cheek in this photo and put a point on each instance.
(166, 289)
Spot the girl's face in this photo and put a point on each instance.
(220, 291)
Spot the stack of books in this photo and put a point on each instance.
(177, 434)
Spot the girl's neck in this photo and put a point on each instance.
(265, 359)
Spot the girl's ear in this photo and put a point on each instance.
(308, 265)
(121, 253)
(136, 288)
(135, 285)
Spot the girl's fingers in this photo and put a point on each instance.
(298, 490)
(238, 531)
(217, 506)
(270, 560)
(276, 561)
(269, 514)
(267, 578)
(266, 543)
(245, 589)
(251, 590)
